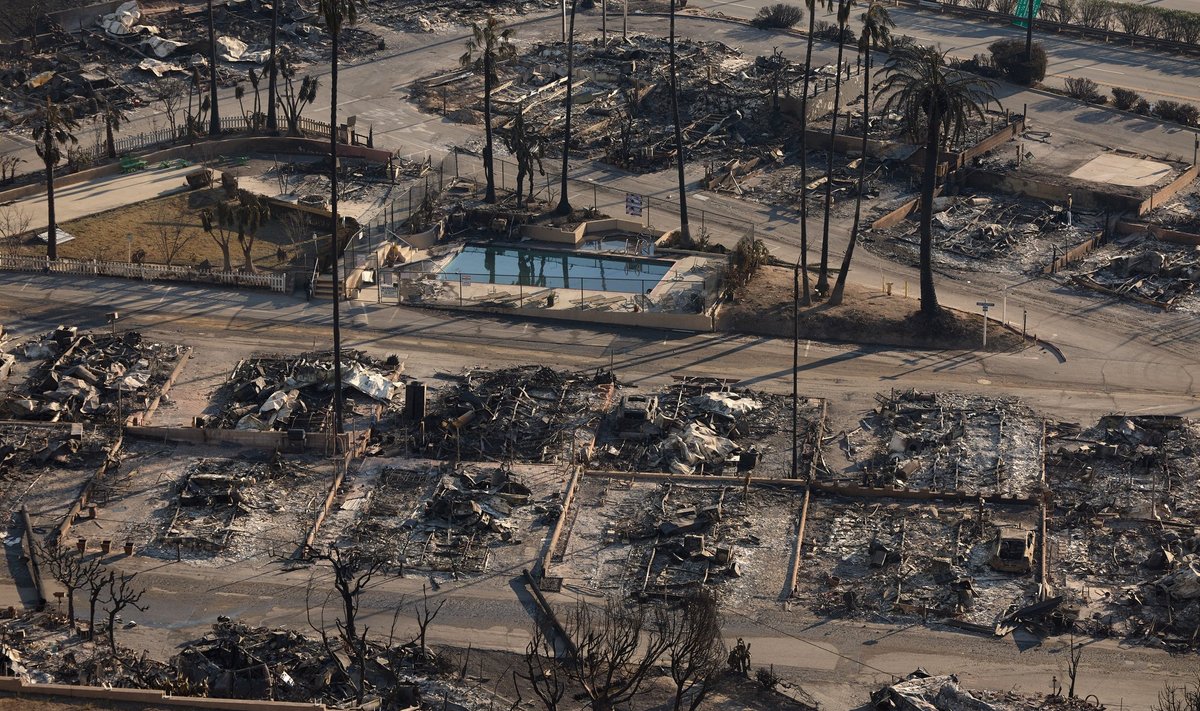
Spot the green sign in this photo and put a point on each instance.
(1022, 11)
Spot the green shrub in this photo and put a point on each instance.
(778, 16)
(1124, 99)
(1008, 56)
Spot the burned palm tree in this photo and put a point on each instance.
(876, 33)
(939, 102)
(53, 129)
(490, 45)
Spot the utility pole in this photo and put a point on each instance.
(1029, 32)
(564, 20)
(624, 19)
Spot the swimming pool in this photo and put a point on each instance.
(557, 269)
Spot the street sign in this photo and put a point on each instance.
(985, 304)
(465, 279)
(1022, 11)
(633, 204)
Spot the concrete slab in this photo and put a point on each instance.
(1122, 170)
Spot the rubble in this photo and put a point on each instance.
(889, 561)
(91, 377)
(707, 426)
(1138, 267)
(296, 392)
(622, 105)
(1110, 481)
(947, 442)
(525, 413)
(59, 458)
(990, 231)
(921, 691)
(662, 539)
(223, 509)
(449, 519)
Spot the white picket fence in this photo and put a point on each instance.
(147, 272)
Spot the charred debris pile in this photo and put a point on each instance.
(274, 392)
(91, 377)
(947, 441)
(706, 426)
(525, 413)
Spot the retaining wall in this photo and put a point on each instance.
(1087, 198)
(15, 685)
(1162, 234)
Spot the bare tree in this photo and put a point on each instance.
(220, 226)
(168, 94)
(292, 98)
(121, 594)
(70, 569)
(172, 233)
(353, 569)
(14, 220)
(425, 616)
(96, 586)
(615, 647)
(1076, 653)
(695, 652)
(543, 670)
(1179, 698)
(8, 167)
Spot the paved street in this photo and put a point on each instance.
(1115, 362)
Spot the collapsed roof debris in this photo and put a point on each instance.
(91, 376)
(445, 519)
(949, 442)
(1153, 272)
(622, 105)
(296, 392)
(706, 426)
(526, 413)
(896, 561)
(989, 231)
(1133, 580)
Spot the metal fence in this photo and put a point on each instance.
(148, 272)
(624, 290)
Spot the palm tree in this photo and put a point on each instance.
(843, 17)
(803, 270)
(876, 33)
(940, 101)
(214, 117)
(113, 116)
(564, 205)
(273, 68)
(490, 44)
(52, 130)
(685, 233)
(337, 13)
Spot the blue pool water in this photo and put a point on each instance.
(555, 269)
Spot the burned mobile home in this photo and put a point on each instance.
(708, 426)
(526, 413)
(295, 392)
(90, 377)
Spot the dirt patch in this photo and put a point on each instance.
(172, 224)
(764, 308)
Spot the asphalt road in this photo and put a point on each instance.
(1156, 75)
(836, 660)
(1114, 363)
